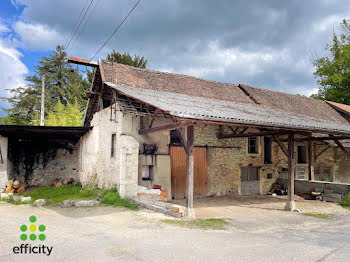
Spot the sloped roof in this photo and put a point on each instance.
(244, 104)
(340, 107)
(175, 83)
(202, 108)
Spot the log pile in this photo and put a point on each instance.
(14, 187)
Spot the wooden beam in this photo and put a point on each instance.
(340, 145)
(326, 138)
(182, 138)
(1, 159)
(165, 127)
(271, 133)
(310, 160)
(291, 173)
(324, 150)
(154, 118)
(190, 170)
(278, 141)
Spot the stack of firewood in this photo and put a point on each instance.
(14, 187)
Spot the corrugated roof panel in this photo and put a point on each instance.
(201, 108)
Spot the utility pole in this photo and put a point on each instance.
(42, 111)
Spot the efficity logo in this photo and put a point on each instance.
(35, 235)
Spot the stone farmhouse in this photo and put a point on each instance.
(193, 137)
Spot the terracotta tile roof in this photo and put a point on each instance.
(340, 107)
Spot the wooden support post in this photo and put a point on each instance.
(311, 160)
(190, 171)
(1, 159)
(290, 206)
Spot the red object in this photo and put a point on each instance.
(157, 187)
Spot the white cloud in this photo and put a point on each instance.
(13, 71)
(220, 61)
(37, 36)
(328, 23)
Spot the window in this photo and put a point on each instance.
(174, 138)
(267, 150)
(113, 145)
(252, 145)
(147, 172)
(324, 173)
(302, 154)
(249, 173)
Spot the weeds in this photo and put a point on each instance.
(210, 223)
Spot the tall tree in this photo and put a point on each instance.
(333, 71)
(127, 59)
(62, 84)
(69, 115)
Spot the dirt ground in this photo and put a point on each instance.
(258, 230)
(236, 207)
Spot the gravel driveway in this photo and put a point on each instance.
(116, 234)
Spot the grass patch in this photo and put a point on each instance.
(315, 215)
(346, 202)
(110, 197)
(210, 223)
(55, 195)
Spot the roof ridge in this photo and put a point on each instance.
(169, 73)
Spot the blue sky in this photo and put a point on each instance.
(268, 44)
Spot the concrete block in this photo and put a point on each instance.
(290, 206)
(87, 203)
(40, 202)
(68, 203)
(26, 199)
(4, 196)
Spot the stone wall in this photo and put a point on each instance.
(3, 162)
(225, 157)
(39, 162)
(224, 163)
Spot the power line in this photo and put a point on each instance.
(79, 23)
(82, 29)
(71, 33)
(122, 22)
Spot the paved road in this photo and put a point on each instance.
(111, 234)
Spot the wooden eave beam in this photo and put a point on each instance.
(272, 133)
(165, 127)
(182, 138)
(340, 146)
(320, 153)
(153, 118)
(278, 141)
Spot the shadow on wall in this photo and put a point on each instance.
(38, 162)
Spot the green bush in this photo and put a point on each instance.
(346, 201)
(111, 197)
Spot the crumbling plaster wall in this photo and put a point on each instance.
(335, 159)
(98, 167)
(3, 161)
(160, 161)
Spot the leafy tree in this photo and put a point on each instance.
(5, 120)
(69, 115)
(333, 71)
(126, 59)
(62, 84)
